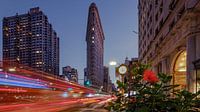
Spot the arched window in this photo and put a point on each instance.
(179, 76)
(180, 64)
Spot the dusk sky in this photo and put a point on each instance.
(69, 19)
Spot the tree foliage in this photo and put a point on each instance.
(147, 92)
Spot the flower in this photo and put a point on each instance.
(150, 76)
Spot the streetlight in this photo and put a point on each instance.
(112, 63)
(135, 32)
(122, 70)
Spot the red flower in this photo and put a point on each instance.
(150, 76)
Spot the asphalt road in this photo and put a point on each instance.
(93, 107)
(95, 104)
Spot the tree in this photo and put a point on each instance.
(147, 92)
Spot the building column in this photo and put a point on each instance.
(155, 68)
(164, 66)
(191, 56)
(198, 46)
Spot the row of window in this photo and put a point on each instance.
(171, 25)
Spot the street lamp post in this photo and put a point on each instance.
(122, 70)
(114, 64)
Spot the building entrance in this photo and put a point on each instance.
(179, 71)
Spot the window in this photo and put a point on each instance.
(180, 64)
(157, 17)
(151, 31)
(180, 13)
(172, 4)
(156, 33)
(172, 25)
(161, 23)
(156, 2)
(150, 7)
(161, 8)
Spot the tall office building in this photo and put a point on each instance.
(169, 39)
(95, 48)
(29, 40)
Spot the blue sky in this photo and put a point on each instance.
(69, 19)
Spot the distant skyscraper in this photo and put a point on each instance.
(95, 48)
(29, 40)
(107, 82)
(70, 73)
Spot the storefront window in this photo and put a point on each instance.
(197, 70)
(198, 79)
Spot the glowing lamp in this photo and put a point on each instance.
(113, 63)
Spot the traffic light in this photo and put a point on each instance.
(87, 83)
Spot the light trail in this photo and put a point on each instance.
(48, 106)
(12, 90)
(19, 88)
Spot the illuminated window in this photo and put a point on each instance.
(38, 51)
(38, 63)
(180, 64)
(92, 41)
(93, 29)
(92, 37)
(198, 80)
(6, 28)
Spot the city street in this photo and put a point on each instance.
(92, 107)
(100, 56)
(95, 104)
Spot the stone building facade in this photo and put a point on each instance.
(169, 39)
